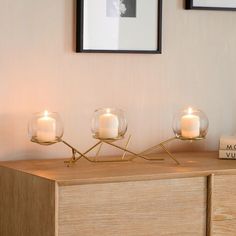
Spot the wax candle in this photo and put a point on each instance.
(46, 128)
(108, 126)
(190, 125)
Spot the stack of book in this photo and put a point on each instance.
(227, 147)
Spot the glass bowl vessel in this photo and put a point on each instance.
(190, 124)
(45, 128)
(109, 124)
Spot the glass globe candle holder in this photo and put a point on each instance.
(190, 124)
(45, 128)
(109, 124)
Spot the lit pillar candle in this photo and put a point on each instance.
(46, 128)
(190, 125)
(108, 126)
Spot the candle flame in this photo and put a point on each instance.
(45, 113)
(190, 110)
(108, 110)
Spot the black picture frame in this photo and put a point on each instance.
(80, 33)
(190, 5)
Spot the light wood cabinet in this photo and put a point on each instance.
(224, 205)
(152, 207)
(46, 198)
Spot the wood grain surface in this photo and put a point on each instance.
(83, 172)
(224, 201)
(27, 204)
(46, 198)
(144, 208)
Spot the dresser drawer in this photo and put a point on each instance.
(142, 208)
(224, 205)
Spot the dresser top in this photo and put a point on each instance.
(84, 172)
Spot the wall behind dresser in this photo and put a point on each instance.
(40, 70)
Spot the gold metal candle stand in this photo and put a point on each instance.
(99, 144)
(51, 121)
(125, 150)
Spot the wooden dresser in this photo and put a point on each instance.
(46, 198)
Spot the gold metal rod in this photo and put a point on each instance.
(126, 146)
(98, 151)
(75, 150)
(113, 161)
(73, 154)
(170, 155)
(156, 146)
(89, 150)
(73, 159)
(145, 158)
(169, 140)
(133, 153)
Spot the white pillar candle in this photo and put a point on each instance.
(190, 125)
(46, 128)
(108, 126)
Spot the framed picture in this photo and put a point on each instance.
(229, 5)
(119, 26)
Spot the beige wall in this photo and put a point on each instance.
(38, 70)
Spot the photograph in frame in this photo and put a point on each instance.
(122, 8)
(229, 5)
(122, 26)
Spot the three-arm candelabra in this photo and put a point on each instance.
(109, 125)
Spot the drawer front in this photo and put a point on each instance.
(224, 205)
(143, 208)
